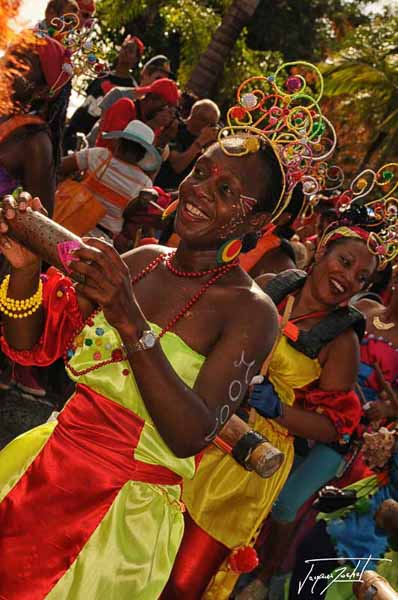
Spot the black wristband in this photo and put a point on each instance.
(245, 446)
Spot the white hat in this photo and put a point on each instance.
(136, 131)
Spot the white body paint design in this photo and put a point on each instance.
(234, 394)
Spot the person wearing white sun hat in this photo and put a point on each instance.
(118, 174)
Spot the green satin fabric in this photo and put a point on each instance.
(131, 553)
(19, 454)
(113, 384)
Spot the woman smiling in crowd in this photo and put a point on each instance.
(152, 386)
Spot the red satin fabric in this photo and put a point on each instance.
(342, 408)
(200, 556)
(63, 319)
(55, 507)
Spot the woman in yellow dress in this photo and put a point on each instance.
(308, 394)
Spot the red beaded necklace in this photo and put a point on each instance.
(118, 355)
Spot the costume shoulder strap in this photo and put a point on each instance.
(311, 342)
(284, 284)
(8, 127)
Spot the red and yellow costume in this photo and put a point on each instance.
(90, 505)
(227, 505)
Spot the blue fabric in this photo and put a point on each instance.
(265, 400)
(356, 534)
(308, 475)
(365, 371)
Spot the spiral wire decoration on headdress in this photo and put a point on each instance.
(328, 178)
(284, 112)
(82, 55)
(370, 205)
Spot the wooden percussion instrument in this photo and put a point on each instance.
(374, 587)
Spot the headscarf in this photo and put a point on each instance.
(55, 64)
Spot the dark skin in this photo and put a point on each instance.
(274, 261)
(387, 406)
(128, 59)
(28, 155)
(234, 319)
(351, 266)
(201, 123)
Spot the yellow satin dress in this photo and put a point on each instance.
(230, 503)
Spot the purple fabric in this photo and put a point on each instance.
(7, 183)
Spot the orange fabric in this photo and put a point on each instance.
(96, 186)
(76, 208)
(14, 123)
(267, 242)
(174, 241)
(291, 330)
(62, 314)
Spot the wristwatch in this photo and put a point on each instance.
(146, 342)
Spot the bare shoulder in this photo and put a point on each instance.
(367, 306)
(139, 258)
(251, 308)
(343, 349)
(263, 280)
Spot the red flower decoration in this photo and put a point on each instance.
(238, 113)
(243, 560)
(117, 355)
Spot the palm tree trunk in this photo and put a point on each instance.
(373, 148)
(204, 77)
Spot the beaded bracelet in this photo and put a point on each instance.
(19, 309)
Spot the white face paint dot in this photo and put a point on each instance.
(249, 101)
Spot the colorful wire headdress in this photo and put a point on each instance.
(369, 209)
(82, 54)
(284, 111)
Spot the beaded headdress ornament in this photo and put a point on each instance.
(283, 109)
(369, 209)
(82, 55)
(329, 179)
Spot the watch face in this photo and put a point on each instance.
(149, 339)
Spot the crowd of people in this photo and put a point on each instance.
(222, 348)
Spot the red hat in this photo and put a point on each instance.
(165, 88)
(55, 64)
(88, 5)
(116, 118)
(130, 39)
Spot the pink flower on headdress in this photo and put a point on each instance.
(293, 84)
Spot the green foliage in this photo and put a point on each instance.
(182, 29)
(195, 25)
(303, 29)
(365, 74)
